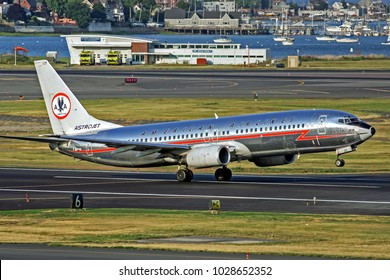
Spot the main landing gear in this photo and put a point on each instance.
(184, 175)
(221, 174)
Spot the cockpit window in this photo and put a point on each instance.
(348, 120)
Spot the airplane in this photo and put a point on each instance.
(267, 139)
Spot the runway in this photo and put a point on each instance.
(50, 188)
(242, 83)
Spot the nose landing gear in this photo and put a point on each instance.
(339, 162)
(344, 150)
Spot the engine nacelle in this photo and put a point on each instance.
(274, 160)
(208, 156)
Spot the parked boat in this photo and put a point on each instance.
(325, 38)
(280, 39)
(288, 42)
(347, 40)
(285, 32)
(222, 40)
(387, 43)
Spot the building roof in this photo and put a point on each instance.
(177, 13)
(109, 39)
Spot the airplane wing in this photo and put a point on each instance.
(121, 145)
(129, 145)
(147, 147)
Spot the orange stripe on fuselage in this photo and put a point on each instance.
(103, 150)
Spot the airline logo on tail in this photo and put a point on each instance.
(61, 105)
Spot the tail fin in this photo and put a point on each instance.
(67, 115)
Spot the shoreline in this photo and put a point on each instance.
(309, 63)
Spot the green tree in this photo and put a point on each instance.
(79, 11)
(295, 7)
(321, 5)
(59, 6)
(265, 4)
(98, 11)
(183, 5)
(45, 10)
(147, 6)
(16, 12)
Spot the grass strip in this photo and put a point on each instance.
(332, 236)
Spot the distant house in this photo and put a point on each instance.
(165, 4)
(337, 6)
(220, 6)
(4, 9)
(114, 8)
(279, 6)
(28, 4)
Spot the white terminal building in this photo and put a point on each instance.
(142, 51)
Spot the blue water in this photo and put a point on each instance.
(303, 45)
(36, 46)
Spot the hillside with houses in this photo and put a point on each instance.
(194, 17)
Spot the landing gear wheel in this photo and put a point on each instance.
(339, 162)
(223, 174)
(184, 175)
(190, 175)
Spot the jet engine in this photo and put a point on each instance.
(274, 160)
(208, 156)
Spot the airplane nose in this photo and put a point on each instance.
(372, 130)
(366, 131)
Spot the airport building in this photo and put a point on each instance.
(104, 49)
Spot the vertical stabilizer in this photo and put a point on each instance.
(66, 114)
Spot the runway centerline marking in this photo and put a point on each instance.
(202, 196)
(65, 185)
(225, 182)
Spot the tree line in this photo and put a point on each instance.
(81, 12)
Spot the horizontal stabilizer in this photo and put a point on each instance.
(38, 139)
